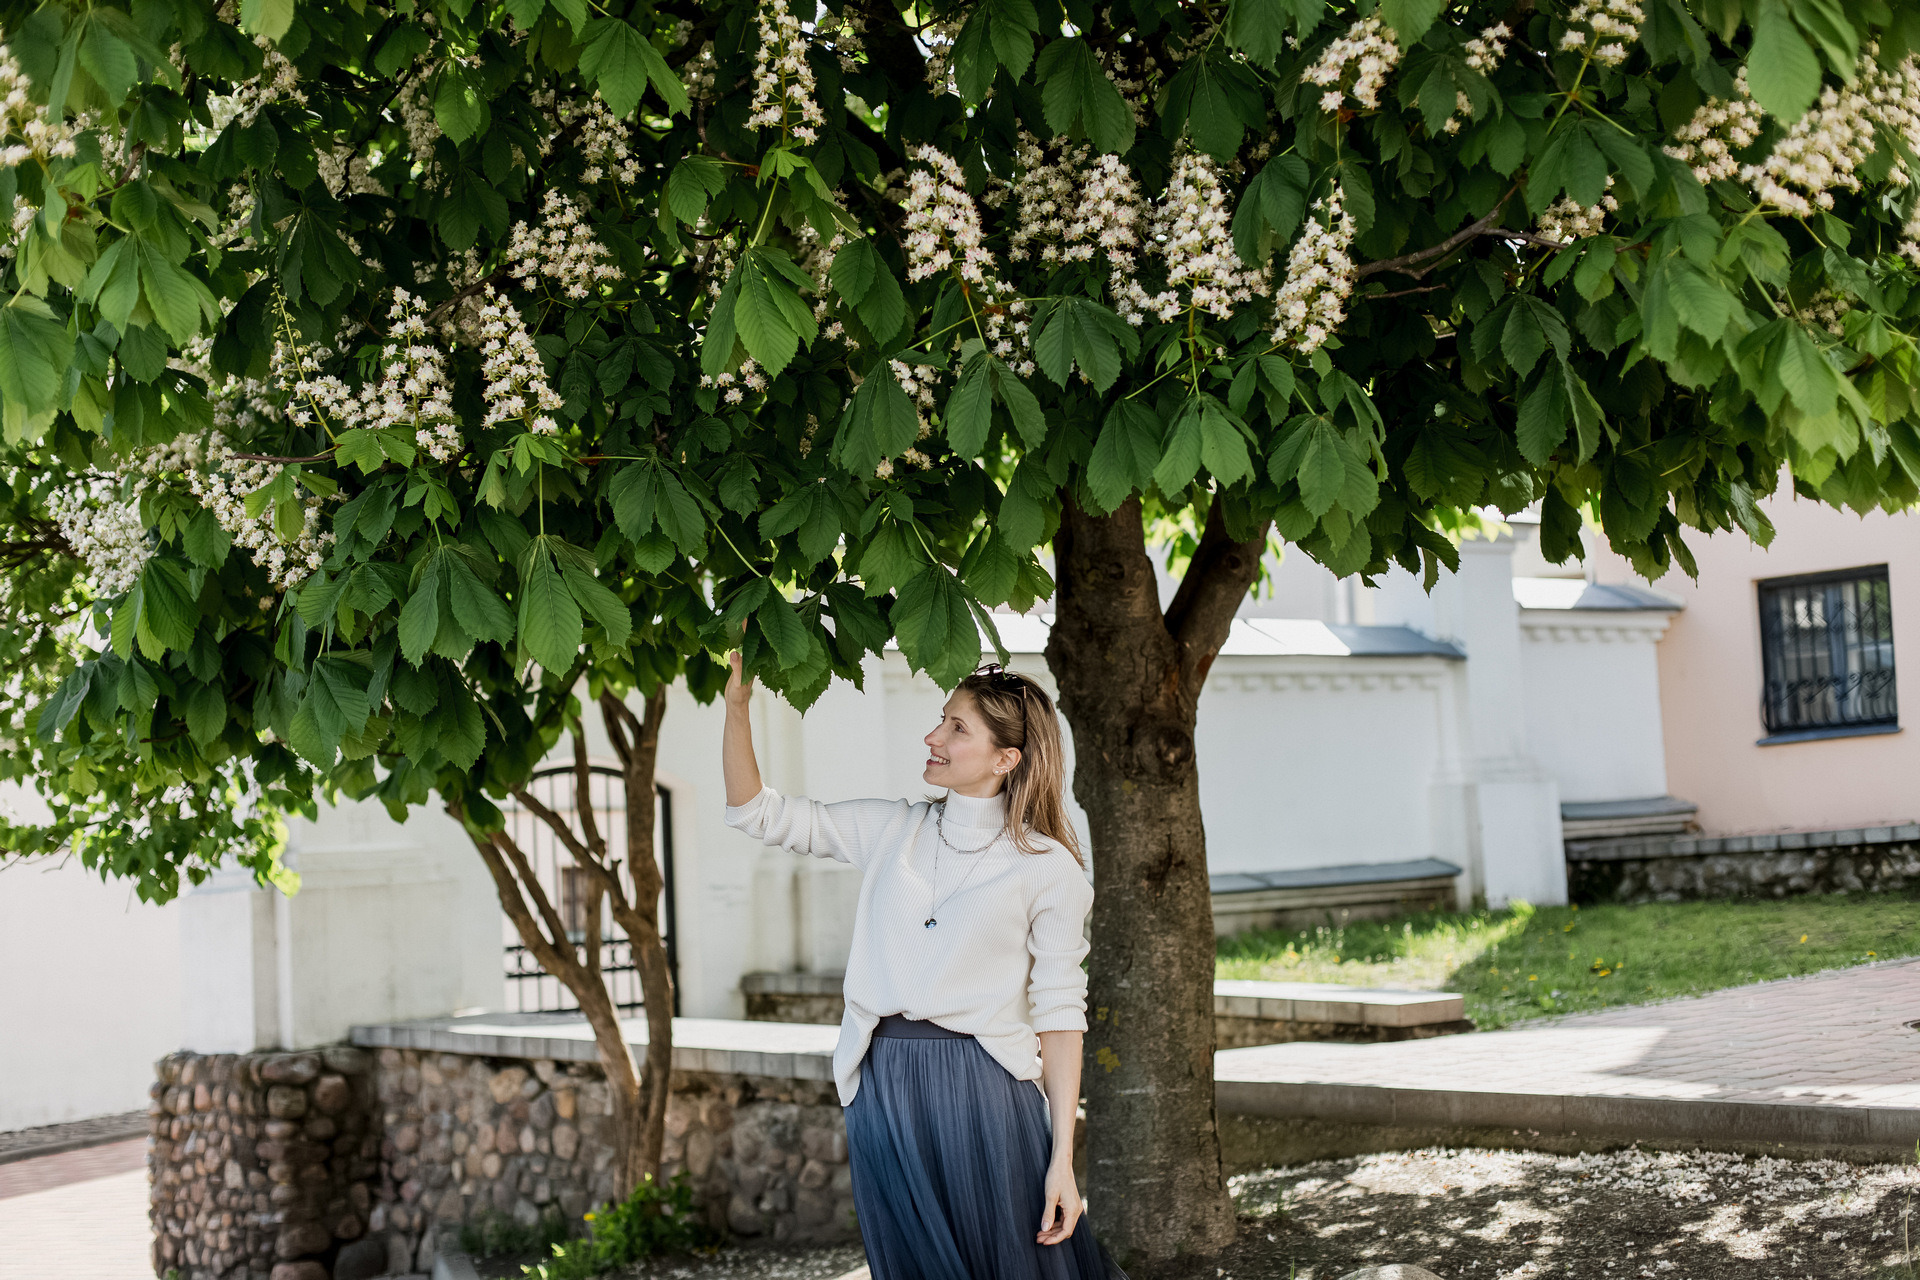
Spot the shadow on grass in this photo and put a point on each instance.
(1525, 962)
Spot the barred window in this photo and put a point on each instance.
(1827, 651)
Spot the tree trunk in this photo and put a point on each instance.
(1129, 677)
(544, 933)
(639, 1096)
(637, 741)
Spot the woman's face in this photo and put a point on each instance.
(960, 751)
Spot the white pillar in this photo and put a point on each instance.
(1508, 803)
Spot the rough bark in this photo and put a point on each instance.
(1130, 676)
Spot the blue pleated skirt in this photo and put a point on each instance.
(949, 1158)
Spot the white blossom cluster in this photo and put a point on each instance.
(1823, 148)
(24, 213)
(748, 377)
(1485, 51)
(417, 121)
(347, 173)
(603, 141)
(278, 81)
(1368, 52)
(222, 486)
(1135, 83)
(516, 378)
(1312, 301)
(1828, 310)
(1604, 29)
(848, 31)
(944, 234)
(1191, 231)
(918, 381)
(783, 92)
(1910, 237)
(1566, 221)
(1075, 206)
(413, 390)
(938, 38)
(105, 533)
(21, 119)
(562, 249)
(1718, 128)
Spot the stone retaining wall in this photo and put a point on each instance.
(1679, 869)
(469, 1138)
(343, 1163)
(260, 1164)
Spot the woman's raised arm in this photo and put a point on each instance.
(736, 741)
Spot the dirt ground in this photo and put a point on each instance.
(1626, 1215)
(1520, 1215)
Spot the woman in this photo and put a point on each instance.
(959, 1056)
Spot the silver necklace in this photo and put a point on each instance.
(940, 830)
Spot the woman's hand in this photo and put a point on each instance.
(1063, 1207)
(739, 684)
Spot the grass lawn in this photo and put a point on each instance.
(1526, 962)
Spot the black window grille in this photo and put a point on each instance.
(530, 989)
(1827, 651)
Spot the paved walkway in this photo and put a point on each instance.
(79, 1215)
(1827, 1060)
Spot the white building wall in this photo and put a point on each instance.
(1592, 682)
(92, 996)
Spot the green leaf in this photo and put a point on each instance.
(1180, 453)
(783, 630)
(621, 63)
(1805, 373)
(169, 610)
(177, 298)
(476, 606)
(1782, 72)
(34, 351)
(408, 41)
(1522, 340)
(1077, 96)
(1541, 425)
(1124, 454)
(935, 628)
(991, 569)
(206, 713)
(1258, 28)
(879, 422)
(109, 60)
(1409, 19)
(1323, 468)
(599, 603)
(1223, 449)
(1700, 302)
(762, 322)
(420, 616)
(269, 18)
(969, 414)
(458, 107)
(1022, 406)
(693, 183)
(550, 627)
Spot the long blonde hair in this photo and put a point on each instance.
(1018, 713)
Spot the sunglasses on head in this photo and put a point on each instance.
(1000, 679)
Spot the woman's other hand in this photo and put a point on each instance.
(1063, 1205)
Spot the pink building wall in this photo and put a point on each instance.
(1710, 680)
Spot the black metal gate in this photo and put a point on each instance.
(531, 989)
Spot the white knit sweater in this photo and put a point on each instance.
(1002, 964)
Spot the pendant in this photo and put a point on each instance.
(930, 923)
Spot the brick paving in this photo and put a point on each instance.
(1837, 1043)
(77, 1215)
(43, 1140)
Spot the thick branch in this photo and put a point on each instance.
(1405, 261)
(1216, 581)
(524, 870)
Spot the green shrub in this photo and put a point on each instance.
(657, 1218)
(497, 1234)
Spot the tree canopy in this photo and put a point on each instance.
(371, 372)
